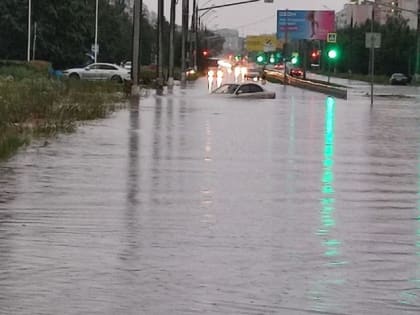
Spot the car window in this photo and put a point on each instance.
(106, 67)
(226, 89)
(93, 67)
(250, 88)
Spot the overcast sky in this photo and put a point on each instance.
(252, 18)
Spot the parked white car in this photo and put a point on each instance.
(99, 71)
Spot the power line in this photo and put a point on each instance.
(264, 19)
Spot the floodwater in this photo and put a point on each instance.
(192, 204)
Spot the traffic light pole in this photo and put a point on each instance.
(372, 58)
(159, 86)
(171, 47)
(286, 32)
(329, 69)
(135, 89)
(185, 9)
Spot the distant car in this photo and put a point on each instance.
(398, 79)
(279, 66)
(296, 72)
(245, 90)
(253, 74)
(99, 71)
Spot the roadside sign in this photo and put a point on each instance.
(92, 48)
(373, 40)
(332, 38)
(257, 43)
(269, 46)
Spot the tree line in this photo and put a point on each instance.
(396, 54)
(65, 32)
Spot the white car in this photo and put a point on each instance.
(99, 71)
(245, 90)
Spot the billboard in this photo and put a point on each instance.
(304, 24)
(262, 43)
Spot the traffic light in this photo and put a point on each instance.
(261, 58)
(295, 58)
(205, 53)
(332, 53)
(315, 56)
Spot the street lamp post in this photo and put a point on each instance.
(96, 31)
(185, 9)
(159, 88)
(135, 89)
(28, 58)
(171, 46)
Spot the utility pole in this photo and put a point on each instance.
(286, 31)
(372, 57)
(29, 30)
(194, 30)
(96, 30)
(185, 9)
(135, 89)
(159, 87)
(417, 60)
(197, 46)
(171, 46)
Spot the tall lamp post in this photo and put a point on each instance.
(172, 46)
(185, 9)
(159, 87)
(96, 31)
(135, 89)
(28, 58)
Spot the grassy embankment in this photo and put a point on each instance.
(34, 105)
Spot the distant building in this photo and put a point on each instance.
(358, 12)
(232, 42)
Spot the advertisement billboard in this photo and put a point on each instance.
(262, 43)
(305, 24)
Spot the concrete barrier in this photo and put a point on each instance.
(340, 92)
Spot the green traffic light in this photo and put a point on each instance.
(294, 60)
(332, 54)
(260, 58)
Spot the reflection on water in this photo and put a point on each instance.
(189, 204)
(324, 288)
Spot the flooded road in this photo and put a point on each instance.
(192, 204)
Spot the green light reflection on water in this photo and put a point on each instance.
(332, 246)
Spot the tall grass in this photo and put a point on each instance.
(34, 105)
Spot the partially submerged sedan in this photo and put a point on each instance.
(245, 90)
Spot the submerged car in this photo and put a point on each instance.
(398, 79)
(245, 90)
(99, 71)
